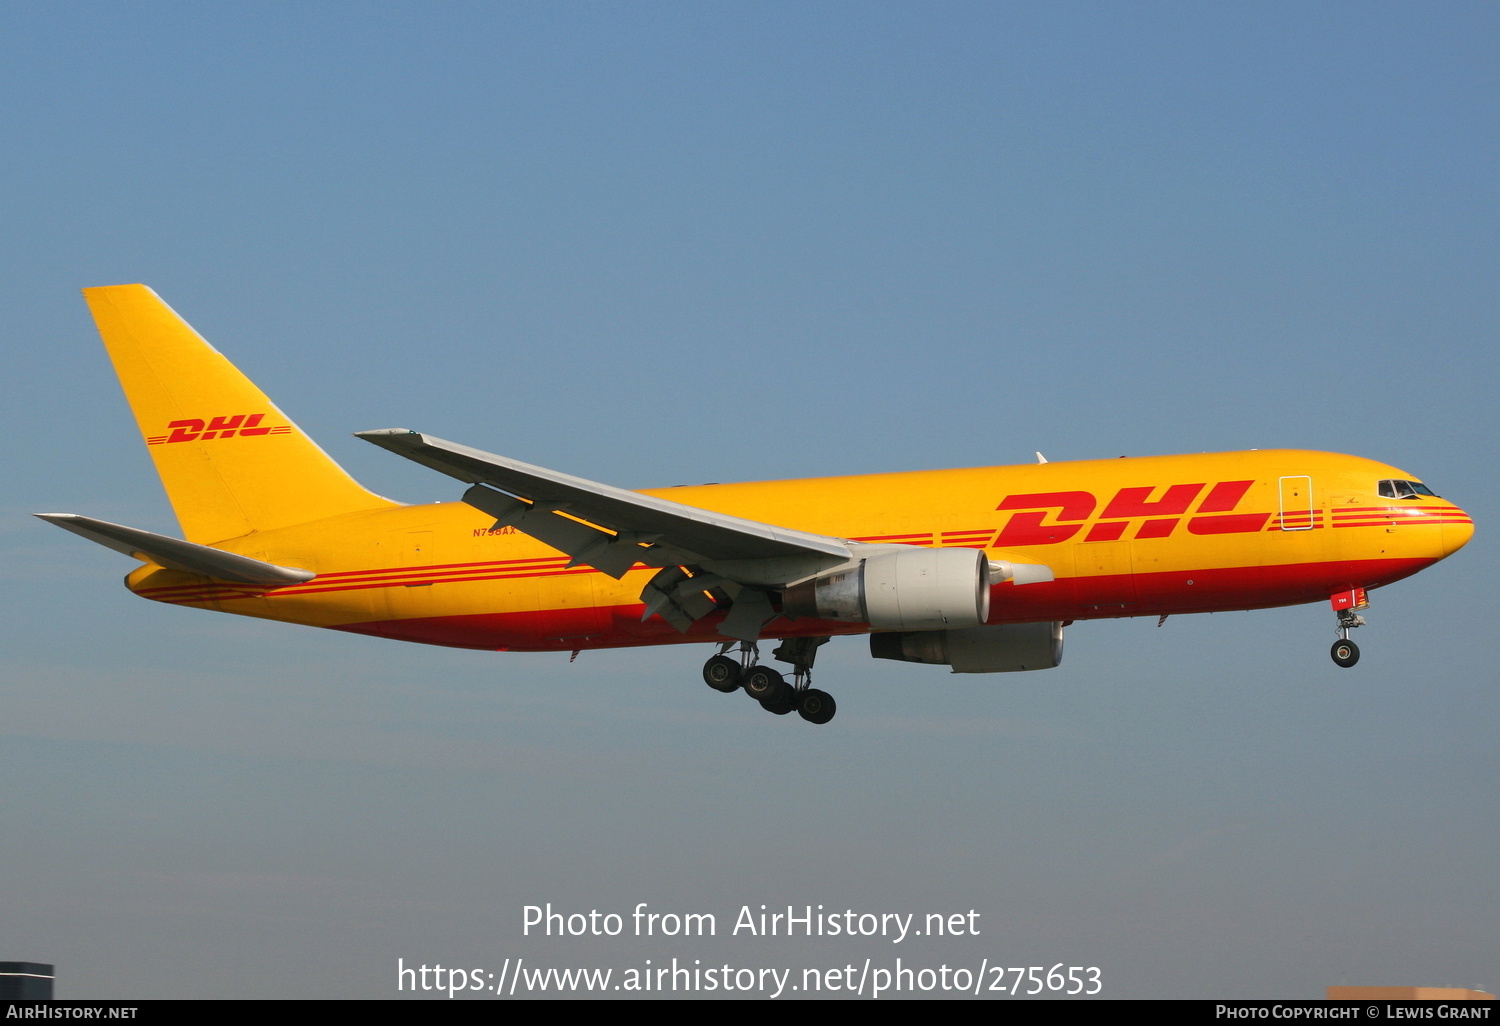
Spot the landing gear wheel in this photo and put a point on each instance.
(1345, 653)
(782, 703)
(762, 683)
(722, 673)
(816, 706)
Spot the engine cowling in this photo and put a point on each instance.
(905, 588)
(997, 648)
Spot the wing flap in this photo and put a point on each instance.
(613, 554)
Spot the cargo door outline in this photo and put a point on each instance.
(1294, 497)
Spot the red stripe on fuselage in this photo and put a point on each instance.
(1077, 598)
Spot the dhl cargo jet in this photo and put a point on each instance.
(978, 570)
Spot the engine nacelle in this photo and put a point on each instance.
(999, 648)
(902, 588)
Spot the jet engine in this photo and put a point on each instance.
(998, 648)
(902, 588)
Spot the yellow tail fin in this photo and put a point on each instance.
(230, 461)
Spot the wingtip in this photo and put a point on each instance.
(395, 439)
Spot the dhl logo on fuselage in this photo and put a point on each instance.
(192, 430)
(1035, 524)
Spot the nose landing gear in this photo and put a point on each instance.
(775, 694)
(1345, 652)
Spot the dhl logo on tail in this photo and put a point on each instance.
(246, 425)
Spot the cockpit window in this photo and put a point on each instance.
(1393, 489)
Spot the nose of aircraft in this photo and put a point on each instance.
(1457, 535)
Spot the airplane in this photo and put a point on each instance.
(975, 569)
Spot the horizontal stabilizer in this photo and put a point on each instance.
(176, 554)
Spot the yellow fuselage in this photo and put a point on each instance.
(1123, 537)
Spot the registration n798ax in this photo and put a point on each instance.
(978, 569)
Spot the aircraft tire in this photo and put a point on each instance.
(1345, 653)
(781, 704)
(816, 706)
(722, 674)
(762, 683)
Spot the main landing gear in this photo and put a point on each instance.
(1344, 651)
(774, 692)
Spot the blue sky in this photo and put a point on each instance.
(655, 244)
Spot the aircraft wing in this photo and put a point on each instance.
(702, 555)
(700, 533)
(612, 530)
